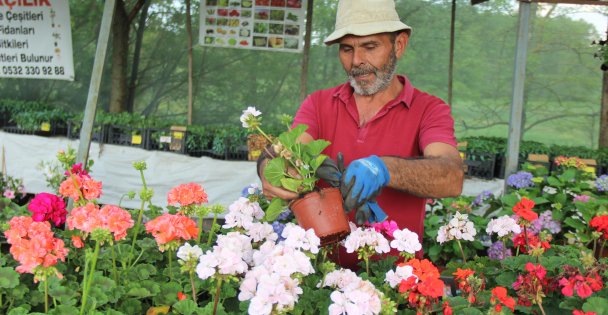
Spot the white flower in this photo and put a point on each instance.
(187, 252)
(406, 241)
(366, 237)
(503, 226)
(297, 238)
(459, 227)
(242, 213)
(549, 190)
(261, 231)
(248, 114)
(229, 257)
(353, 295)
(393, 278)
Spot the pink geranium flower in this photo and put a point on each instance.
(75, 185)
(33, 244)
(9, 194)
(187, 194)
(90, 217)
(168, 228)
(48, 207)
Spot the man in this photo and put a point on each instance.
(397, 141)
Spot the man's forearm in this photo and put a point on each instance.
(428, 177)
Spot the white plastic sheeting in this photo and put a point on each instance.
(113, 166)
(223, 180)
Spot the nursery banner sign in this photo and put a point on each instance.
(274, 25)
(36, 39)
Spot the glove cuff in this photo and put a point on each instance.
(383, 170)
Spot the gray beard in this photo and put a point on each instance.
(383, 77)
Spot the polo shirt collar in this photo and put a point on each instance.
(345, 92)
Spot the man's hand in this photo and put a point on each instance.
(363, 180)
(331, 172)
(271, 191)
(370, 212)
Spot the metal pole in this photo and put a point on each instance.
(306, 53)
(451, 66)
(100, 55)
(519, 76)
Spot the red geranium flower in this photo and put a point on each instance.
(499, 296)
(600, 224)
(579, 312)
(48, 207)
(524, 209)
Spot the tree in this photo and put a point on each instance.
(121, 27)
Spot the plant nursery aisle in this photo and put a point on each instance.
(113, 166)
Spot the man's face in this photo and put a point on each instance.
(369, 61)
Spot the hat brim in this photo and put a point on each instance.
(365, 29)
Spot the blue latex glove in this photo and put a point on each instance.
(331, 172)
(370, 212)
(363, 180)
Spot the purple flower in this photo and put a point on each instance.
(582, 198)
(545, 222)
(520, 180)
(278, 228)
(481, 198)
(601, 183)
(284, 215)
(498, 252)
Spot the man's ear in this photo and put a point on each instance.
(401, 43)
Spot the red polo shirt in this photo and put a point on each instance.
(403, 128)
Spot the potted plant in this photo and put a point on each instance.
(294, 168)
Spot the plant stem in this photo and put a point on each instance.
(263, 134)
(200, 229)
(193, 287)
(217, 295)
(504, 248)
(114, 272)
(46, 294)
(139, 217)
(526, 238)
(602, 249)
(595, 248)
(211, 231)
(89, 280)
(366, 265)
(542, 310)
(169, 253)
(464, 259)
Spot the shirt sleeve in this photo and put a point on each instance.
(437, 126)
(307, 114)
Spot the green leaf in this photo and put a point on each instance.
(139, 292)
(552, 181)
(599, 305)
(21, 310)
(185, 307)
(275, 171)
(292, 184)
(65, 309)
(316, 147)
(577, 224)
(506, 279)
(9, 278)
(275, 208)
(144, 271)
(470, 311)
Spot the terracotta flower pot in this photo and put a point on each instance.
(323, 211)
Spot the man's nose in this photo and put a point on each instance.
(358, 57)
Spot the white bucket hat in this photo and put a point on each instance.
(365, 17)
